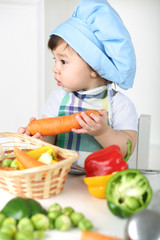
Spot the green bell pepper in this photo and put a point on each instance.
(22, 207)
(128, 192)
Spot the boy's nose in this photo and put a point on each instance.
(56, 69)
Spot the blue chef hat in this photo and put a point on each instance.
(96, 32)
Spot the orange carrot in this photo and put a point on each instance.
(8, 169)
(87, 235)
(26, 160)
(56, 125)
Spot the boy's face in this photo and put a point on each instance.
(71, 71)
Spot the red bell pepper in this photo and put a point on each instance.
(105, 161)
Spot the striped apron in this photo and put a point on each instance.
(80, 101)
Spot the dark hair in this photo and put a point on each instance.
(54, 41)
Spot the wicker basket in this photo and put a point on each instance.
(33, 183)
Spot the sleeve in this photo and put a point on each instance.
(123, 113)
(51, 107)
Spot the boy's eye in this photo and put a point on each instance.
(63, 61)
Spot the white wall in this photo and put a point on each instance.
(56, 12)
(142, 19)
(21, 59)
(21, 62)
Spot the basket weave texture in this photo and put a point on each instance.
(39, 182)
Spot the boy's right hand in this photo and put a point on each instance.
(23, 130)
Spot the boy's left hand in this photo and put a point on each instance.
(93, 125)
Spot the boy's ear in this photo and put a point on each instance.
(93, 74)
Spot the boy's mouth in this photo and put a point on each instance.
(58, 83)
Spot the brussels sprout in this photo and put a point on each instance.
(9, 220)
(67, 211)
(14, 164)
(51, 224)
(2, 217)
(24, 235)
(85, 224)
(63, 223)
(53, 215)
(9, 229)
(38, 234)
(76, 217)
(55, 207)
(40, 221)
(25, 224)
(6, 162)
(4, 236)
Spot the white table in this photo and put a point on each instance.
(76, 195)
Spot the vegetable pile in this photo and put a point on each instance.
(127, 191)
(25, 219)
(101, 165)
(34, 158)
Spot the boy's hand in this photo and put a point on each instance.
(93, 125)
(23, 130)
